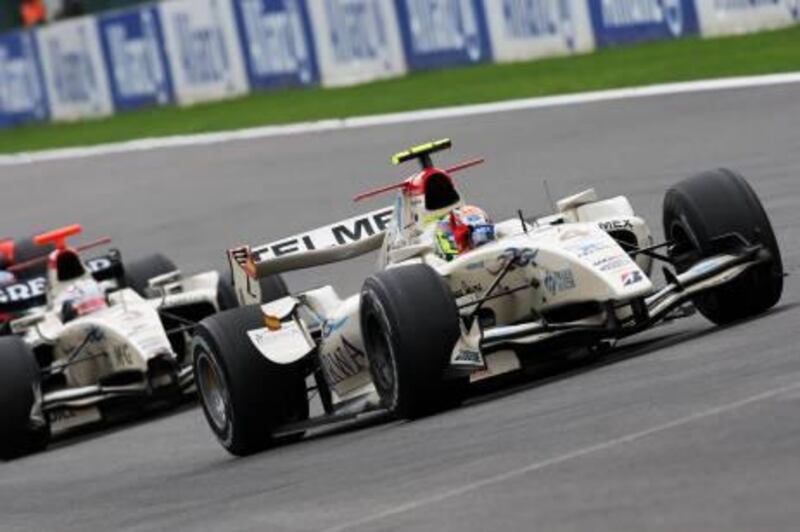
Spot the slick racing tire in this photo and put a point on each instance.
(702, 216)
(244, 396)
(20, 432)
(26, 249)
(272, 288)
(409, 322)
(137, 273)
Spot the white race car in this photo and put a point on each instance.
(458, 299)
(85, 343)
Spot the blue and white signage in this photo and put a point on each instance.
(74, 73)
(203, 49)
(627, 21)
(133, 48)
(442, 33)
(719, 17)
(277, 43)
(526, 29)
(357, 40)
(22, 94)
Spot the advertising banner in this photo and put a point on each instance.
(202, 46)
(442, 33)
(22, 93)
(75, 77)
(719, 17)
(526, 29)
(278, 46)
(627, 21)
(357, 40)
(133, 50)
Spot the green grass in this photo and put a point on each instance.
(683, 60)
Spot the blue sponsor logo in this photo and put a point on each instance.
(330, 327)
(133, 48)
(625, 21)
(22, 95)
(75, 79)
(538, 19)
(357, 30)
(440, 33)
(277, 42)
(202, 54)
(724, 6)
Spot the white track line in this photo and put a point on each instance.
(536, 466)
(399, 118)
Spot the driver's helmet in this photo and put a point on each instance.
(80, 298)
(464, 229)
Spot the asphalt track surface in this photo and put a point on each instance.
(686, 428)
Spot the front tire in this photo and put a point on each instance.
(139, 272)
(244, 396)
(701, 215)
(20, 389)
(410, 324)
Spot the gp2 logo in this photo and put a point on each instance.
(517, 257)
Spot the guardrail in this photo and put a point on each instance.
(188, 51)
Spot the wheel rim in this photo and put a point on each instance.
(212, 390)
(381, 361)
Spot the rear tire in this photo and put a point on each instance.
(26, 249)
(244, 396)
(139, 272)
(410, 325)
(716, 204)
(19, 389)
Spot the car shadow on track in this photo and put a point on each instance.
(555, 371)
(124, 422)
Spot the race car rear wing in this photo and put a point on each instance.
(325, 245)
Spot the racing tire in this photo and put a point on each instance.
(701, 216)
(409, 322)
(272, 288)
(26, 249)
(137, 273)
(19, 388)
(245, 396)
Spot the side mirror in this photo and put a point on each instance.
(163, 280)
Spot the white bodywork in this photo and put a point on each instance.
(117, 351)
(563, 259)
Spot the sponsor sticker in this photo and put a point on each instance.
(23, 291)
(612, 263)
(632, 277)
(616, 225)
(338, 234)
(559, 281)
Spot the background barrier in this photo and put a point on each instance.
(189, 51)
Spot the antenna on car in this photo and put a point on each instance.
(549, 196)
